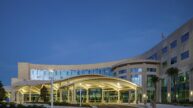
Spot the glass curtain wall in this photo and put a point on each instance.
(37, 74)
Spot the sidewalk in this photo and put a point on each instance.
(168, 106)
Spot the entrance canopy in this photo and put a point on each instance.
(83, 81)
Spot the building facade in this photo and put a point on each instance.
(176, 50)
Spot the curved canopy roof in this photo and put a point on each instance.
(83, 81)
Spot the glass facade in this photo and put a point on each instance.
(37, 74)
(136, 69)
(164, 90)
(123, 77)
(137, 79)
(183, 87)
(151, 69)
(122, 71)
(149, 80)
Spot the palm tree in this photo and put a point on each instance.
(154, 80)
(173, 73)
(2, 92)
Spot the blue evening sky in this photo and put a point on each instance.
(83, 31)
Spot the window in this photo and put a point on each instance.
(136, 69)
(149, 80)
(173, 44)
(137, 79)
(123, 77)
(165, 63)
(114, 74)
(185, 37)
(151, 69)
(184, 55)
(122, 71)
(174, 60)
(153, 57)
(36, 74)
(164, 50)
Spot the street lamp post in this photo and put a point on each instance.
(51, 94)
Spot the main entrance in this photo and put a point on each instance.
(90, 89)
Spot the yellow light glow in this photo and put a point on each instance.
(144, 95)
(168, 94)
(88, 85)
(191, 93)
(101, 86)
(118, 84)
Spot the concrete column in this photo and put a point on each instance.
(191, 86)
(102, 99)
(22, 98)
(169, 90)
(144, 83)
(60, 95)
(135, 96)
(74, 94)
(17, 97)
(129, 97)
(87, 96)
(118, 96)
(29, 93)
(159, 91)
(68, 96)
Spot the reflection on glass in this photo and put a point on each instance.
(37, 74)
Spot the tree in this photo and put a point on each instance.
(154, 80)
(44, 94)
(173, 73)
(2, 92)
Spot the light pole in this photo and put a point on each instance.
(51, 94)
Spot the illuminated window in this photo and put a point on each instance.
(137, 79)
(136, 69)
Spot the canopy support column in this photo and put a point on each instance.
(60, 95)
(129, 96)
(136, 96)
(29, 93)
(118, 96)
(68, 95)
(87, 95)
(17, 97)
(56, 96)
(102, 96)
(22, 98)
(74, 94)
